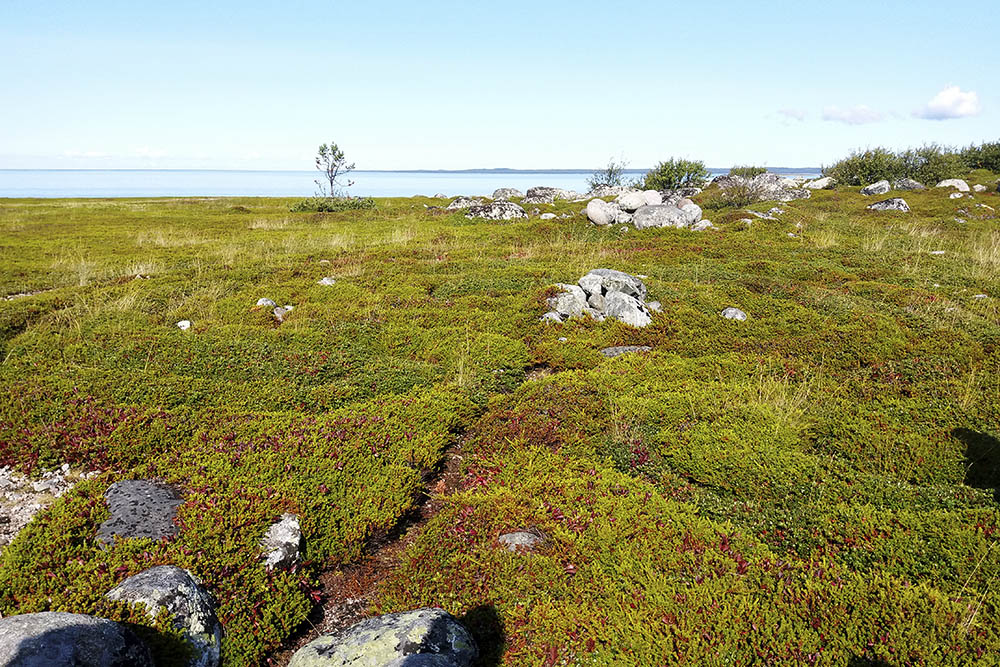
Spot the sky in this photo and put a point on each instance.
(453, 85)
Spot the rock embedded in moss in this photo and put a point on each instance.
(139, 508)
(520, 540)
(60, 639)
(894, 204)
(265, 302)
(464, 202)
(190, 607)
(619, 350)
(956, 183)
(877, 188)
(907, 184)
(280, 545)
(428, 636)
(498, 210)
(507, 193)
(734, 314)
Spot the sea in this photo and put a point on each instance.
(100, 183)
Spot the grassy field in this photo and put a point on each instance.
(816, 485)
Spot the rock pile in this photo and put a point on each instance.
(602, 294)
(645, 209)
(765, 187)
(498, 210)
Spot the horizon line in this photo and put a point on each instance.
(383, 171)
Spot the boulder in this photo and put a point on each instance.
(266, 302)
(327, 282)
(520, 540)
(547, 216)
(878, 188)
(440, 195)
(956, 183)
(602, 281)
(630, 201)
(280, 544)
(601, 212)
(60, 639)
(463, 203)
(612, 352)
(820, 183)
(666, 215)
(734, 314)
(429, 636)
(979, 188)
(609, 190)
(570, 302)
(507, 193)
(907, 184)
(498, 210)
(139, 508)
(281, 311)
(652, 197)
(894, 204)
(190, 608)
(545, 195)
(626, 308)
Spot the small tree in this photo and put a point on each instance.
(613, 175)
(676, 173)
(331, 161)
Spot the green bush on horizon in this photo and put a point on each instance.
(332, 204)
(929, 164)
(747, 171)
(676, 173)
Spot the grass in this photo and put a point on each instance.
(815, 485)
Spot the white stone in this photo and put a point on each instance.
(184, 325)
(878, 188)
(734, 314)
(956, 183)
(326, 282)
(280, 545)
(601, 212)
(266, 302)
(820, 183)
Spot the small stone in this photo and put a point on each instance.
(979, 188)
(281, 311)
(734, 314)
(552, 318)
(519, 540)
(654, 306)
(547, 216)
(936, 252)
(980, 296)
(280, 545)
(612, 352)
(184, 325)
(955, 195)
(878, 188)
(266, 302)
(327, 282)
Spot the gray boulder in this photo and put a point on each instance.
(617, 351)
(541, 195)
(602, 281)
(280, 545)
(139, 508)
(431, 637)
(907, 184)
(266, 302)
(463, 203)
(820, 183)
(894, 204)
(188, 604)
(60, 639)
(979, 188)
(609, 190)
(602, 213)
(956, 183)
(652, 197)
(626, 308)
(630, 201)
(570, 302)
(519, 540)
(666, 215)
(879, 188)
(734, 314)
(498, 210)
(507, 193)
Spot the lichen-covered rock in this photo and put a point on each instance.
(265, 302)
(666, 215)
(547, 216)
(507, 193)
(463, 203)
(546, 195)
(184, 325)
(602, 281)
(820, 183)
(59, 639)
(498, 210)
(570, 302)
(602, 213)
(619, 350)
(327, 282)
(189, 605)
(609, 190)
(734, 314)
(907, 184)
(877, 188)
(652, 197)
(979, 187)
(630, 201)
(421, 637)
(139, 508)
(520, 540)
(626, 308)
(894, 204)
(280, 544)
(956, 183)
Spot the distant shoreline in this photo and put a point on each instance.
(496, 170)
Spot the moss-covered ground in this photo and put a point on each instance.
(816, 485)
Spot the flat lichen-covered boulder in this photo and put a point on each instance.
(139, 508)
(60, 639)
(431, 637)
(498, 210)
(189, 605)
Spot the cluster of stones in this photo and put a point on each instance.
(21, 498)
(908, 184)
(603, 294)
(501, 208)
(769, 186)
(649, 208)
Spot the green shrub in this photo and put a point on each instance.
(932, 163)
(983, 156)
(333, 204)
(676, 173)
(747, 171)
(612, 175)
(864, 167)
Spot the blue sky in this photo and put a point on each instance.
(461, 85)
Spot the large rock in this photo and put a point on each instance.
(956, 183)
(764, 187)
(609, 190)
(878, 188)
(546, 195)
(570, 302)
(820, 183)
(430, 637)
(666, 215)
(139, 508)
(602, 281)
(498, 210)
(463, 203)
(894, 204)
(626, 308)
(630, 201)
(907, 184)
(280, 544)
(188, 604)
(979, 187)
(59, 639)
(602, 213)
(507, 193)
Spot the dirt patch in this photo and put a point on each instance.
(347, 591)
(538, 372)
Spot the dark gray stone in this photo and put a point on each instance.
(139, 508)
(189, 605)
(907, 184)
(59, 639)
(394, 639)
(879, 188)
(617, 351)
(894, 204)
(507, 193)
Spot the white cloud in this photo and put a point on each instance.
(794, 114)
(951, 102)
(857, 115)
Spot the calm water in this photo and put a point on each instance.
(190, 183)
